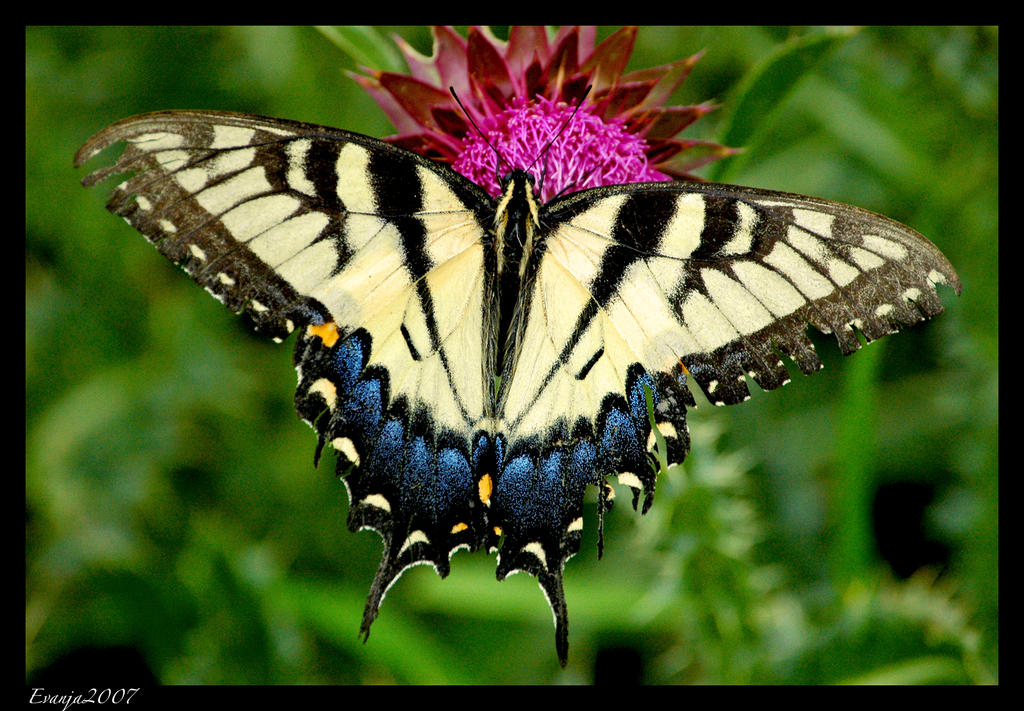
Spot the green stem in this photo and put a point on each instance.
(855, 454)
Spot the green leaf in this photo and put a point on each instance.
(765, 89)
(365, 45)
(865, 136)
(411, 651)
(933, 669)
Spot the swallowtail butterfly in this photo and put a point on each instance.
(477, 363)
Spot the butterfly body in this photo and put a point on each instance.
(478, 362)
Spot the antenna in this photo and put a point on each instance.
(501, 158)
(544, 151)
(572, 186)
(564, 125)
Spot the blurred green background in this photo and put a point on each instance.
(841, 530)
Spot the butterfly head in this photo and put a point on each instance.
(518, 204)
(518, 179)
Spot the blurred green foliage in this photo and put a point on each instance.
(841, 530)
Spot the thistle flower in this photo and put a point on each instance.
(522, 92)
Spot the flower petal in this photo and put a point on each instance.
(535, 78)
(666, 121)
(668, 78)
(526, 44)
(609, 60)
(421, 66)
(450, 121)
(622, 99)
(585, 38)
(415, 96)
(678, 156)
(451, 61)
(398, 116)
(487, 66)
(563, 62)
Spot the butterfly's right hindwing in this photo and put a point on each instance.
(638, 287)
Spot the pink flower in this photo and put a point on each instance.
(522, 92)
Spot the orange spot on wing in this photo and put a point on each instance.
(486, 487)
(327, 332)
(459, 527)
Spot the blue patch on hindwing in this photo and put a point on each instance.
(418, 483)
(428, 493)
(637, 399)
(454, 481)
(386, 456)
(362, 409)
(350, 357)
(618, 437)
(582, 459)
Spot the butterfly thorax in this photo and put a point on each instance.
(516, 221)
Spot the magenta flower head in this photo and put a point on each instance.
(520, 93)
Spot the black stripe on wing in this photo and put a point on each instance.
(756, 267)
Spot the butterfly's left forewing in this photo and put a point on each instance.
(719, 279)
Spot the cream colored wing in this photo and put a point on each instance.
(376, 257)
(639, 286)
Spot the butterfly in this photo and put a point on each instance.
(477, 363)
